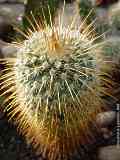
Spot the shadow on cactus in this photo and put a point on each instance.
(54, 87)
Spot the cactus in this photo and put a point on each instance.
(53, 89)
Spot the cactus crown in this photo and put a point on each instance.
(54, 66)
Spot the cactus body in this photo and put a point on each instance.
(54, 90)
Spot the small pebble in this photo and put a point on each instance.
(105, 118)
(109, 153)
(9, 51)
(106, 133)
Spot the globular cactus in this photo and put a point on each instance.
(54, 88)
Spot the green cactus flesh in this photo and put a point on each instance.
(51, 76)
(54, 89)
